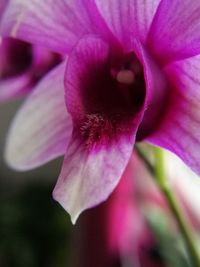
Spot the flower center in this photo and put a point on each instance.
(112, 97)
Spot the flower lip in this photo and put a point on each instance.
(112, 96)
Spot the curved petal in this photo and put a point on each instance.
(92, 169)
(42, 128)
(156, 91)
(55, 25)
(87, 179)
(175, 31)
(14, 87)
(180, 128)
(90, 53)
(128, 18)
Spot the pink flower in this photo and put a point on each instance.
(22, 66)
(131, 74)
(130, 233)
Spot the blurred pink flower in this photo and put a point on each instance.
(131, 74)
(127, 228)
(117, 230)
(22, 65)
(138, 197)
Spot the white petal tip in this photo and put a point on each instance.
(14, 162)
(74, 218)
(74, 215)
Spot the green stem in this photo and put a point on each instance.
(144, 158)
(175, 208)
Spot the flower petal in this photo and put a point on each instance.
(90, 53)
(175, 31)
(128, 18)
(14, 87)
(42, 128)
(55, 25)
(87, 179)
(3, 4)
(180, 128)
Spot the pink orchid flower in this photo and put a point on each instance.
(22, 65)
(131, 74)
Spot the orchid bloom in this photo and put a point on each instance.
(130, 74)
(22, 65)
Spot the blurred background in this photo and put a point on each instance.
(34, 230)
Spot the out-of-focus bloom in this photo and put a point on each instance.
(128, 230)
(116, 231)
(139, 242)
(22, 65)
(131, 74)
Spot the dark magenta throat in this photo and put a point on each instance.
(112, 96)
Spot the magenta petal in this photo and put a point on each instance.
(88, 55)
(128, 18)
(3, 4)
(42, 127)
(54, 24)
(156, 92)
(175, 31)
(87, 179)
(57, 26)
(180, 128)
